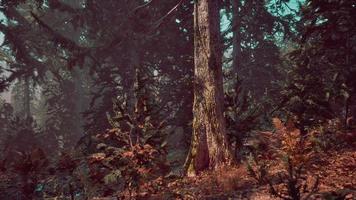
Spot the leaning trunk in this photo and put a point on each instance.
(209, 146)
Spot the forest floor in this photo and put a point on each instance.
(336, 170)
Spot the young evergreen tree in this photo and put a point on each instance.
(321, 84)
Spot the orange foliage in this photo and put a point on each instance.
(297, 147)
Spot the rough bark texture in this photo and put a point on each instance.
(209, 146)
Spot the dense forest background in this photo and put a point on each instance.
(177, 99)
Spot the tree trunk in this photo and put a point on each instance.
(133, 91)
(80, 102)
(236, 56)
(132, 79)
(27, 98)
(236, 40)
(209, 146)
(133, 65)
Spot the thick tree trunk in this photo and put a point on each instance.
(209, 146)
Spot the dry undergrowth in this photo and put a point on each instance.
(336, 174)
(223, 183)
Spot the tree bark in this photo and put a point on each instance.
(209, 146)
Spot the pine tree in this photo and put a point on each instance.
(209, 145)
